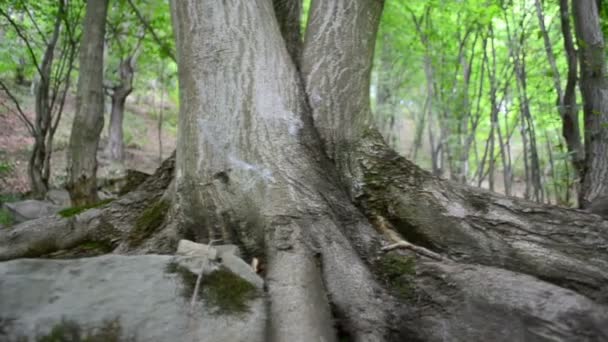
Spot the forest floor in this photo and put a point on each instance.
(141, 140)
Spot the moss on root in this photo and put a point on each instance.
(66, 330)
(85, 249)
(48, 249)
(148, 222)
(224, 291)
(397, 271)
(73, 211)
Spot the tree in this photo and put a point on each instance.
(357, 241)
(53, 75)
(126, 47)
(88, 120)
(594, 88)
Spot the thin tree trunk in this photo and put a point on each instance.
(39, 176)
(119, 96)
(161, 108)
(568, 106)
(594, 88)
(88, 120)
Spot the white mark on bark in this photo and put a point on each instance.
(262, 173)
(456, 210)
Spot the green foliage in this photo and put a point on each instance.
(452, 48)
(6, 219)
(73, 211)
(5, 167)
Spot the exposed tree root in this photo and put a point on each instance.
(111, 224)
(563, 246)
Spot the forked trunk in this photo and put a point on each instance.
(327, 206)
(119, 96)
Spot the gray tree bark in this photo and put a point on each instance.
(88, 119)
(594, 88)
(119, 94)
(357, 242)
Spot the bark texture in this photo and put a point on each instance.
(594, 88)
(120, 92)
(249, 169)
(568, 107)
(356, 242)
(88, 120)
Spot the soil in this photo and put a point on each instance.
(141, 154)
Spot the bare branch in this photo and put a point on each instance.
(20, 113)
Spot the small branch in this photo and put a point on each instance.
(19, 110)
(151, 30)
(199, 279)
(21, 35)
(416, 249)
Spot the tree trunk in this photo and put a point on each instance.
(39, 163)
(594, 88)
(88, 120)
(329, 220)
(119, 96)
(566, 99)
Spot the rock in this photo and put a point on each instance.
(226, 255)
(228, 249)
(189, 248)
(141, 298)
(30, 209)
(60, 197)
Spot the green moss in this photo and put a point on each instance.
(228, 292)
(222, 290)
(397, 271)
(6, 219)
(85, 249)
(40, 248)
(148, 222)
(73, 211)
(109, 331)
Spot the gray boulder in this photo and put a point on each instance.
(60, 197)
(30, 209)
(130, 298)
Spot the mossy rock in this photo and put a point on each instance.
(222, 290)
(67, 330)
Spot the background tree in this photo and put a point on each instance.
(50, 35)
(594, 88)
(88, 120)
